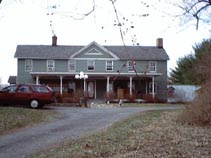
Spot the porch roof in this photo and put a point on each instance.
(95, 74)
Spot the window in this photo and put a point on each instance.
(50, 65)
(71, 65)
(10, 89)
(150, 88)
(131, 66)
(23, 89)
(90, 65)
(28, 65)
(109, 65)
(40, 89)
(152, 66)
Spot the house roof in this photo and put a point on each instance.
(12, 79)
(65, 52)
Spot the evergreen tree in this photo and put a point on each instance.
(194, 69)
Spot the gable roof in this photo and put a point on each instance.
(65, 52)
(98, 46)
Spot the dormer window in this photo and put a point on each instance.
(50, 65)
(90, 65)
(152, 66)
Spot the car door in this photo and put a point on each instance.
(7, 95)
(22, 95)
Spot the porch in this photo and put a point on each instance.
(109, 88)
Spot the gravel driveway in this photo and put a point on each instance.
(75, 122)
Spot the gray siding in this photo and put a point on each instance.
(162, 81)
(23, 76)
(61, 65)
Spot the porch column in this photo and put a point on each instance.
(146, 87)
(153, 87)
(131, 85)
(61, 77)
(37, 79)
(107, 86)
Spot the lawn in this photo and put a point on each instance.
(12, 118)
(152, 134)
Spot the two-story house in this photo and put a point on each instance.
(118, 71)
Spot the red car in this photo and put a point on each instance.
(36, 96)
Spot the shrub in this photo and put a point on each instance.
(198, 112)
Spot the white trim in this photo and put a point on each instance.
(99, 46)
(107, 85)
(37, 80)
(91, 73)
(131, 85)
(61, 85)
(97, 73)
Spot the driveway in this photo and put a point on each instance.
(75, 123)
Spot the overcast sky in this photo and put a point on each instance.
(32, 22)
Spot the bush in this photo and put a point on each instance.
(198, 112)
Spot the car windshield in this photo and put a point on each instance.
(40, 89)
(10, 89)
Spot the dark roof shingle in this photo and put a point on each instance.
(64, 52)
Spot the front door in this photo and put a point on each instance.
(91, 89)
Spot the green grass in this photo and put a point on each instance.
(106, 143)
(12, 118)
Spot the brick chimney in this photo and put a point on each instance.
(54, 40)
(159, 42)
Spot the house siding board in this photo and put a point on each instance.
(61, 65)
(81, 65)
(23, 76)
(162, 81)
(39, 65)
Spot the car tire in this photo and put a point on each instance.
(34, 104)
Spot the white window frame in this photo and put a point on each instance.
(131, 66)
(71, 65)
(28, 65)
(152, 66)
(93, 65)
(109, 66)
(150, 88)
(50, 68)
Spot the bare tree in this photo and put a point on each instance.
(199, 10)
